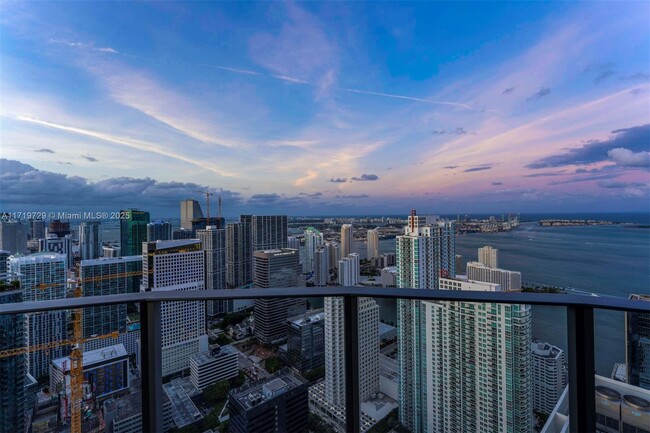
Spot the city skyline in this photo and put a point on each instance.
(331, 108)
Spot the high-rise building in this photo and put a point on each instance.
(53, 244)
(488, 256)
(276, 405)
(42, 278)
(334, 252)
(348, 270)
(37, 228)
(58, 228)
(12, 368)
(293, 242)
(175, 266)
(368, 338)
(373, 243)
(107, 276)
(269, 232)
(182, 234)
(190, 210)
(13, 237)
(214, 245)
(4, 263)
(133, 231)
(347, 236)
(313, 240)
(90, 240)
(306, 341)
(276, 268)
(321, 267)
(549, 375)
(110, 251)
(159, 231)
(637, 345)
(238, 253)
(508, 280)
(460, 264)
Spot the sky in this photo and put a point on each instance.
(332, 108)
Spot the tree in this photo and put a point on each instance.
(217, 392)
(239, 380)
(273, 364)
(222, 340)
(315, 374)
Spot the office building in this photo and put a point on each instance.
(349, 270)
(107, 369)
(90, 240)
(321, 267)
(110, 251)
(276, 268)
(269, 232)
(133, 231)
(389, 276)
(108, 276)
(276, 405)
(37, 228)
(12, 368)
(214, 245)
(293, 242)
(637, 345)
(368, 338)
(488, 256)
(347, 236)
(130, 339)
(159, 231)
(54, 244)
(508, 280)
(460, 264)
(620, 408)
(313, 241)
(214, 366)
(190, 211)
(124, 414)
(383, 260)
(42, 278)
(4, 263)
(306, 341)
(13, 237)
(172, 266)
(239, 253)
(58, 228)
(373, 243)
(182, 234)
(549, 375)
(334, 252)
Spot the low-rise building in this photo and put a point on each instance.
(214, 366)
(124, 415)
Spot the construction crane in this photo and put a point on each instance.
(207, 204)
(76, 355)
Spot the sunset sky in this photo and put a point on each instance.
(326, 108)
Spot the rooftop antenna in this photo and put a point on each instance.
(220, 208)
(207, 203)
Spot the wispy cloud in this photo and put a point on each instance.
(89, 158)
(338, 180)
(366, 177)
(508, 90)
(350, 196)
(479, 168)
(44, 150)
(544, 91)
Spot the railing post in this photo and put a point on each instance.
(582, 399)
(351, 332)
(151, 366)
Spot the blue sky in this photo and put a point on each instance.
(325, 108)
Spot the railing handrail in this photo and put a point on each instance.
(549, 299)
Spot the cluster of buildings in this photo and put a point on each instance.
(446, 366)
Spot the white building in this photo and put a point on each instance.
(508, 280)
(159, 231)
(334, 252)
(4, 264)
(313, 240)
(321, 267)
(389, 276)
(347, 236)
(373, 243)
(54, 244)
(90, 240)
(349, 270)
(214, 245)
(549, 375)
(207, 368)
(174, 266)
(42, 278)
(488, 256)
(293, 242)
(190, 210)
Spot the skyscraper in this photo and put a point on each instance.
(214, 245)
(90, 240)
(321, 267)
(313, 240)
(4, 263)
(269, 232)
(334, 252)
(637, 345)
(133, 231)
(42, 278)
(37, 228)
(549, 375)
(488, 256)
(347, 236)
(276, 268)
(306, 341)
(348, 270)
(293, 242)
(12, 368)
(107, 276)
(177, 265)
(159, 231)
(13, 237)
(238, 254)
(58, 228)
(508, 280)
(190, 210)
(373, 243)
(54, 244)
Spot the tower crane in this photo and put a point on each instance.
(207, 204)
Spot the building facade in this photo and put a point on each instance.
(239, 253)
(488, 256)
(637, 345)
(190, 211)
(159, 231)
(349, 270)
(213, 366)
(133, 231)
(549, 375)
(269, 232)
(12, 368)
(58, 245)
(321, 267)
(306, 341)
(347, 236)
(313, 241)
(90, 240)
(13, 237)
(214, 245)
(508, 280)
(373, 243)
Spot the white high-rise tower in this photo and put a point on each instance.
(373, 243)
(347, 236)
(90, 240)
(488, 256)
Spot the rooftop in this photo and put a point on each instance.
(92, 357)
(207, 357)
(110, 260)
(307, 318)
(258, 392)
(184, 411)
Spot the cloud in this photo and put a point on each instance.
(438, 132)
(366, 177)
(508, 90)
(235, 70)
(637, 91)
(265, 198)
(497, 183)
(44, 150)
(634, 139)
(353, 196)
(412, 98)
(479, 168)
(544, 91)
(338, 180)
(578, 179)
(547, 174)
(313, 195)
(603, 76)
(641, 76)
(626, 158)
(89, 158)
(84, 46)
(458, 131)
(451, 167)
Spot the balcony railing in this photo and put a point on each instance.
(580, 332)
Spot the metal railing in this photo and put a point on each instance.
(580, 332)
